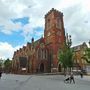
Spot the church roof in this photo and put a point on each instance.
(53, 10)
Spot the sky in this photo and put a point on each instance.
(20, 20)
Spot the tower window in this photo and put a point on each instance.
(58, 23)
(48, 23)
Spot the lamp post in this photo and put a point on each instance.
(68, 40)
(68, 44)
(89, 42)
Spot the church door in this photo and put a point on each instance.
(42, 67)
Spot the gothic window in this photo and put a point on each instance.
(48, 23)
(45, 54)
(42, 54)
(39, 53)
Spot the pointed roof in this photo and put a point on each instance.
(78, 47)
(53, 10)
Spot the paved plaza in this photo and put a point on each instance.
(42, 82)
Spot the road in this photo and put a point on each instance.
(42, 82)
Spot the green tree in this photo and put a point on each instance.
(1, 64)
(87, 55)
(7, 65)
(65, 57)
(69, 57)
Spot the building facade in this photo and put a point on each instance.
(79, 52)
(42, 55)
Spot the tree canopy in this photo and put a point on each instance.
(65, 57)
(87, 55)
(7, 65)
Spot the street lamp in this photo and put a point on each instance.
(89, 42)
(68, 40)
(68, 45)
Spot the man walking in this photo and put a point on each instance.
(72, 78)
(0, 74)
(81, 74)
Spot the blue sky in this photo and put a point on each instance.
(13, 39)
(16, 38)
(23, 20)
(20, 20)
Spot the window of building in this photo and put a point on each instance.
(48, 23)
(42, 54)
(45, 54)
(58, 23)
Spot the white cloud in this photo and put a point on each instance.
(7, 12)
(9, 27)
(77, 23)
(6, 50)
(76, 16)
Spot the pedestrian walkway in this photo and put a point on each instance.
(42, 82)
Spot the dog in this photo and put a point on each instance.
(67, 80)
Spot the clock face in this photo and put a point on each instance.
(48, 34)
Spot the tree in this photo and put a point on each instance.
(65, 57)
(69, 55)
(87, 55)
(1, 64)
(7, 65)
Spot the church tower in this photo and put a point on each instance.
(54, 33)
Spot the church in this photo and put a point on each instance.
(41, 56)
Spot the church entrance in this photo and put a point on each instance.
(41, 67)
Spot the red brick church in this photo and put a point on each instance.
(42, 55)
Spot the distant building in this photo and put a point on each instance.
(42, 55)
(79, 52)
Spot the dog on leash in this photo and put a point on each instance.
(67, 80)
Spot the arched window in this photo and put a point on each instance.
(42, 54)
(45, 54)
(58, 23)
(48, 23)
(39, 53)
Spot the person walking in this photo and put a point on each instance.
(72, 78)
(0, 74)
(81, 74)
